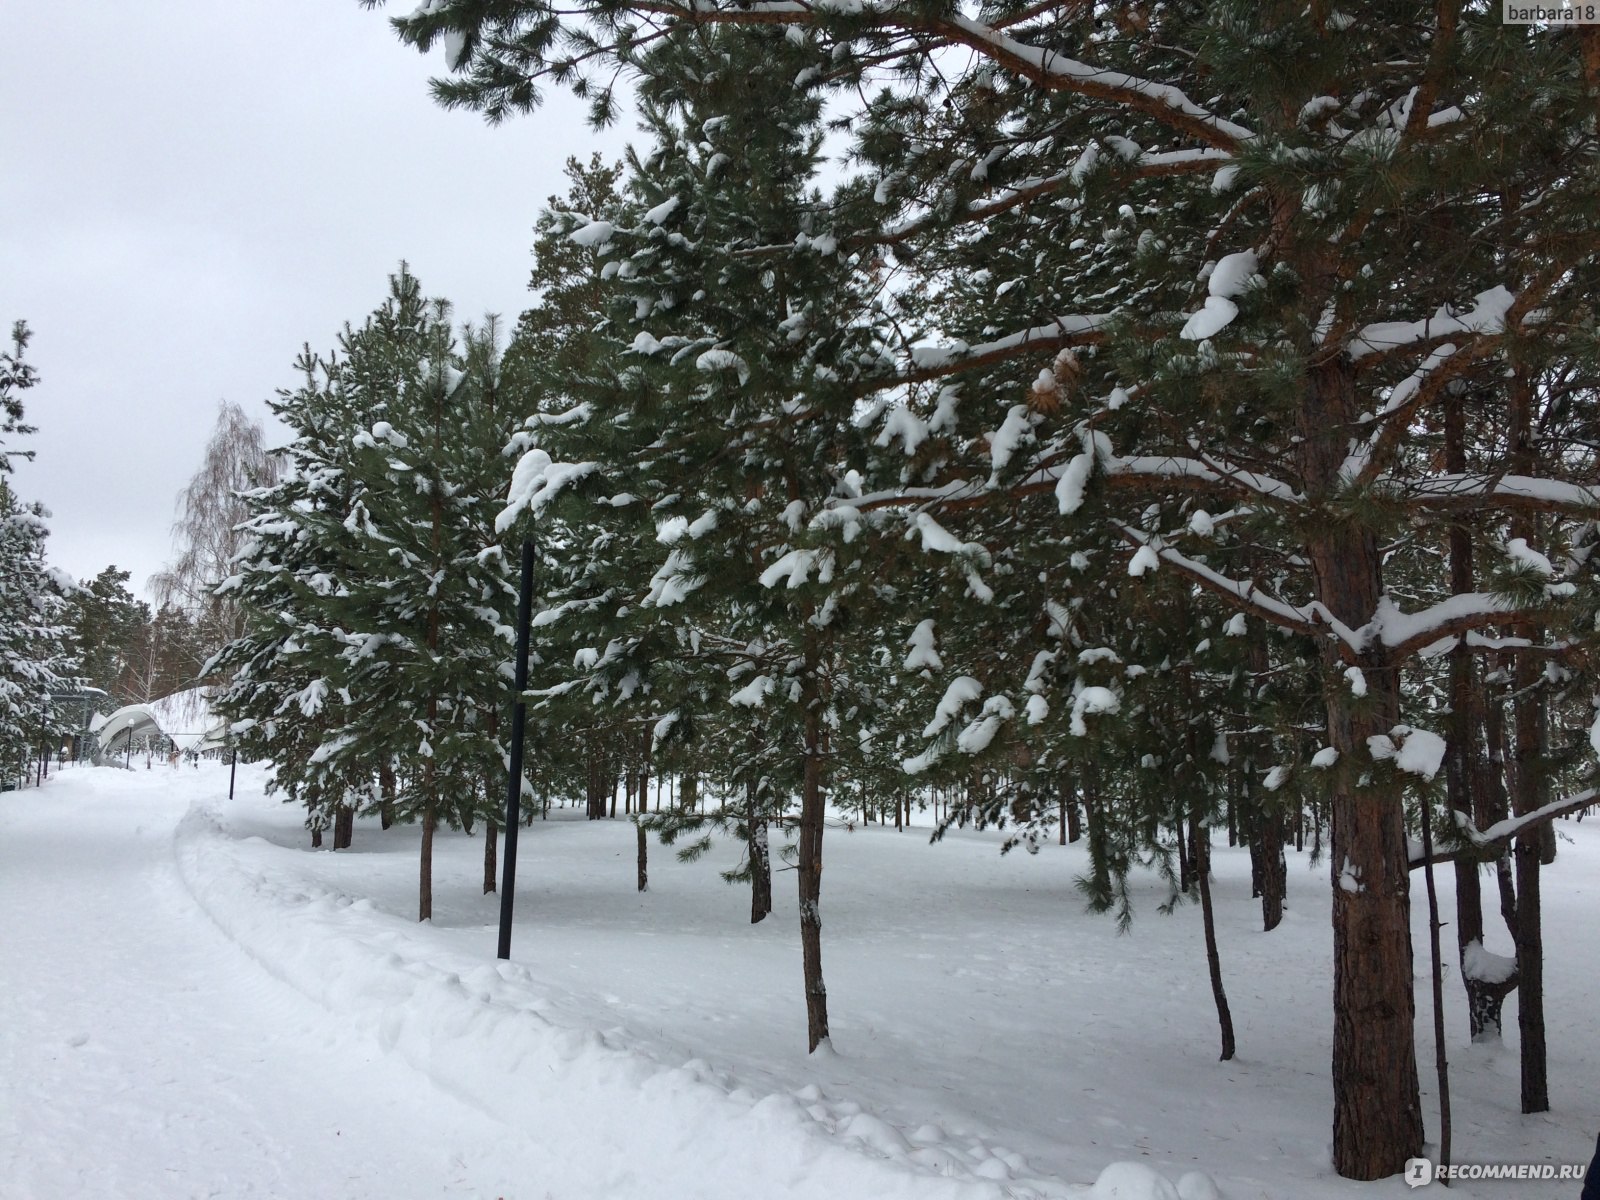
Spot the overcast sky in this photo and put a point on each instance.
(192, 190)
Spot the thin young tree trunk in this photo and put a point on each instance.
(1440, 1056)
(1202, 873)
(491, 855)
(386, 790)
(1267, 846)
(425, 867)
(809, 870)
(642, 855)
(1233, 808)
(760, 864)
(344, 827)
(1466, 782)
(1528, 792)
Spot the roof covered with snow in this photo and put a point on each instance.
(185, 717)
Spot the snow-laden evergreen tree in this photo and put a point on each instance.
(381, 597)
(706, 465)
(273, 677)
(109, 629)
(35, 652)
(1293, 236)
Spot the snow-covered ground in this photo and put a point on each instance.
(197, 1004)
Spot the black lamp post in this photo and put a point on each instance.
(519, 719)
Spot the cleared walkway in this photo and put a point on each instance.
(142, 1055)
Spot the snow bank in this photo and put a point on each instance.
(616, 1123)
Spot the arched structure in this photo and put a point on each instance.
(184, 718)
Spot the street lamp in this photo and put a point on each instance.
(519, 719)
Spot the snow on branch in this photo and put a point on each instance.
(1313, 618)
(936, 361)
(537, 481)
(1168, 468)
(1162, 101)
(1407, 632)
(1048, 68)
(1507, 491)
(1493, 841)
(1420, 386)
(1487, 315)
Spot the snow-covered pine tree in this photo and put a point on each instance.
(727, 437)
(274, 677)
(35, 652)
(378, 599)
(425, 606)
(109, 625)
(1316, 224)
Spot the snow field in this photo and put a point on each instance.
(994, 1027)
(990, 1038)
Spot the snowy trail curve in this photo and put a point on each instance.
(143, 1055)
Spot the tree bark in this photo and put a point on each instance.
(642, 855)
(491, 853)
(809, 870)
(1440, 1058)
(1267, 849)
(386, 790)
(344, 826)
(1202, 873)
(1466, 782)
(1528, 792)
(1377, 1113)
(425, 867)
(760, 862)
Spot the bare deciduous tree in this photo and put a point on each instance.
(205, 534)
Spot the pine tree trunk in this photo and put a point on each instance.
(1528, 793)
(1377, 1118)
(809, 870)
(1234, 779)
(1185, 865)
(491, 854)
(1202, 872)
(344, 827)
(642, 855)
(316, 837)
(1466, 781)
(1266, 847)
(1530, 954)
(425, 868)
(760, 864)
(1441, 1061)
(386, 790)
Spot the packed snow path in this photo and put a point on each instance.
(199, 1005)
(143, 1055)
